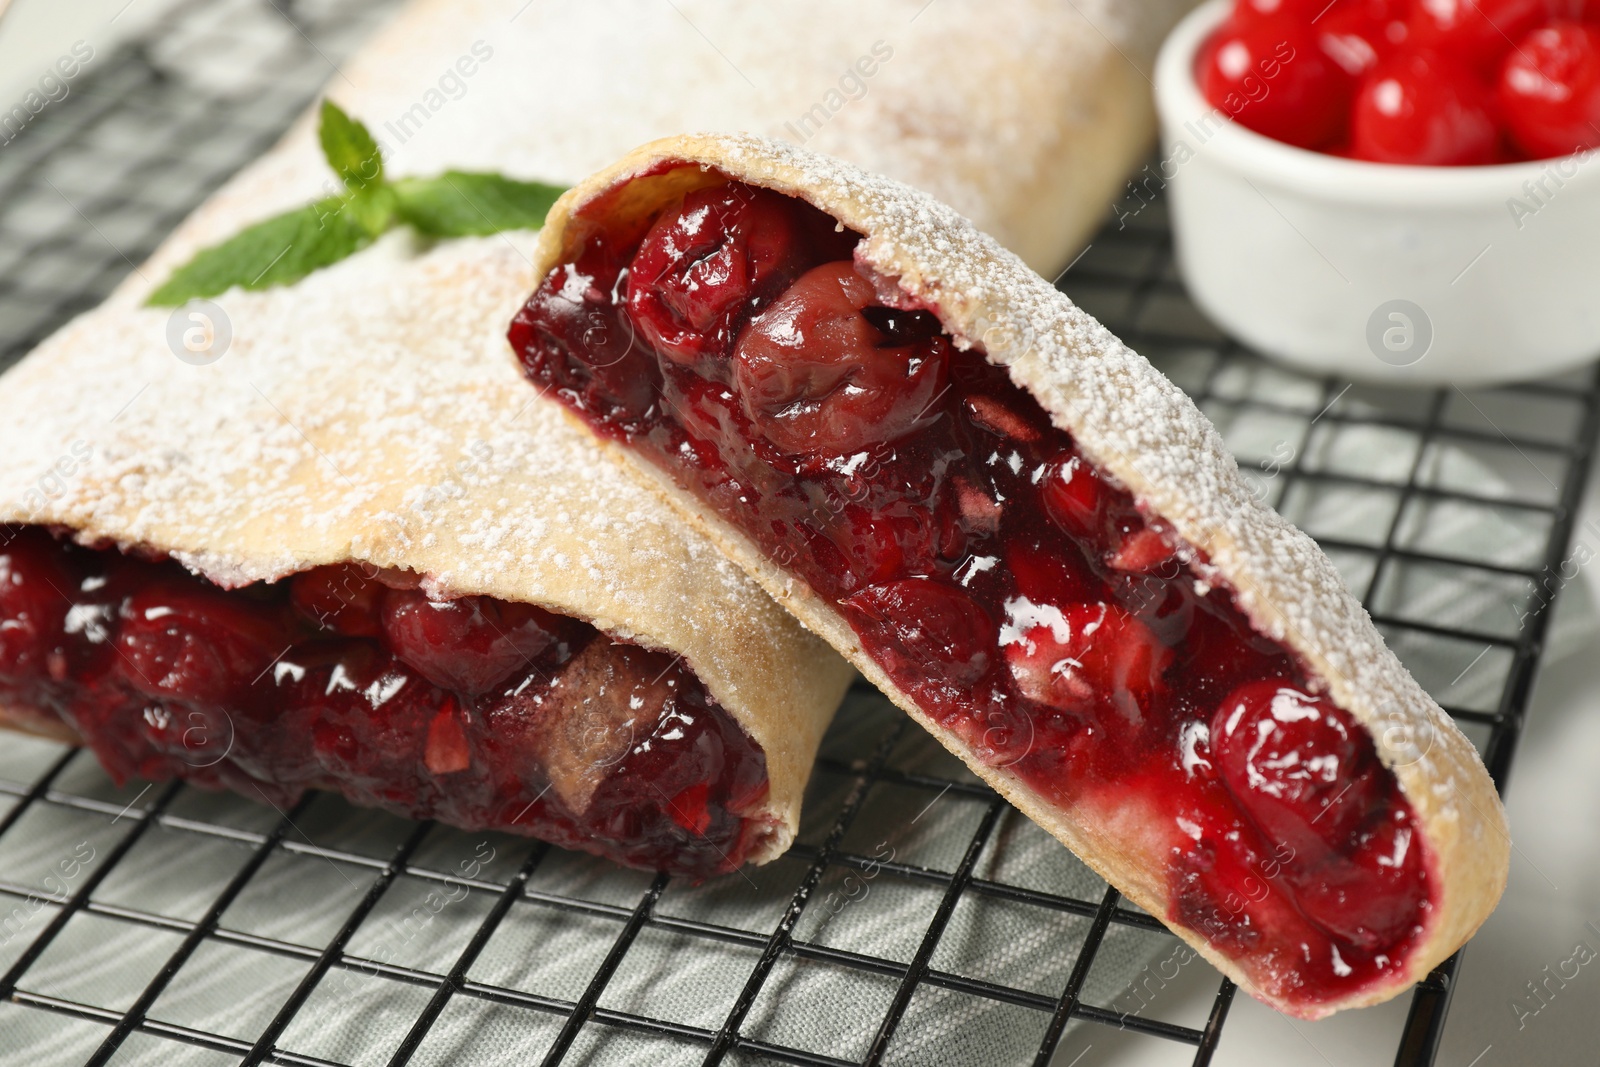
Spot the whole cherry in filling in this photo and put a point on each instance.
(991, 571)
(480, 712)
(818, 377)
(700, 271)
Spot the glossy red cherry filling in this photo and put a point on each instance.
(481, 713)
(1021, 599)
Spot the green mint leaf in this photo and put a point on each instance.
(286, 248)
(374, 209)
(349, 148)
(277, 251)
(464, 204)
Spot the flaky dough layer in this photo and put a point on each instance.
(1141, 429)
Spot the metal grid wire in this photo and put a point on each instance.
(291, 899)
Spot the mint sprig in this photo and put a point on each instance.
(285, 248)
(349, 148)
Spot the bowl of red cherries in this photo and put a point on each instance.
(1388, 189)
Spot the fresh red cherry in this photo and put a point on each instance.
(858, 546)
(1300, 769)
(1373, 897)
(1213, 889)
(924, 621)
(817, 377)
(706, 266)
(190, 640)
(1423, 109)
(344, 599)
(710, 411)
(34, 591)
(1550, 90)
(1083, 505)
(1248, 11)
(1233, 895)
(690, 810)
(1475, 33)
(1082, 657)
(1357, 33)
(467, 644)
(1273, 77)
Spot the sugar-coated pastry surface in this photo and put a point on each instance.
(1025, 114)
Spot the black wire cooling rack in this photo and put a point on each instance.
(155, 924)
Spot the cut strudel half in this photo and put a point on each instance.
(355, 553)
(1033, 542)
(364, 435)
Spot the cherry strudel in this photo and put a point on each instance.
(1033, 542)
(355, 553)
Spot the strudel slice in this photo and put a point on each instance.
(1033, 542)
(356, 553)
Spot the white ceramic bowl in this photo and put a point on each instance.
(1429, 275)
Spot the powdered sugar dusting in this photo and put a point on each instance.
(1023, 113)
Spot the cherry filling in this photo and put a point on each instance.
(1021, 599)
(481, 713)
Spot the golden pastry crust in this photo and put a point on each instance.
(372, 414)
(1141, 429)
